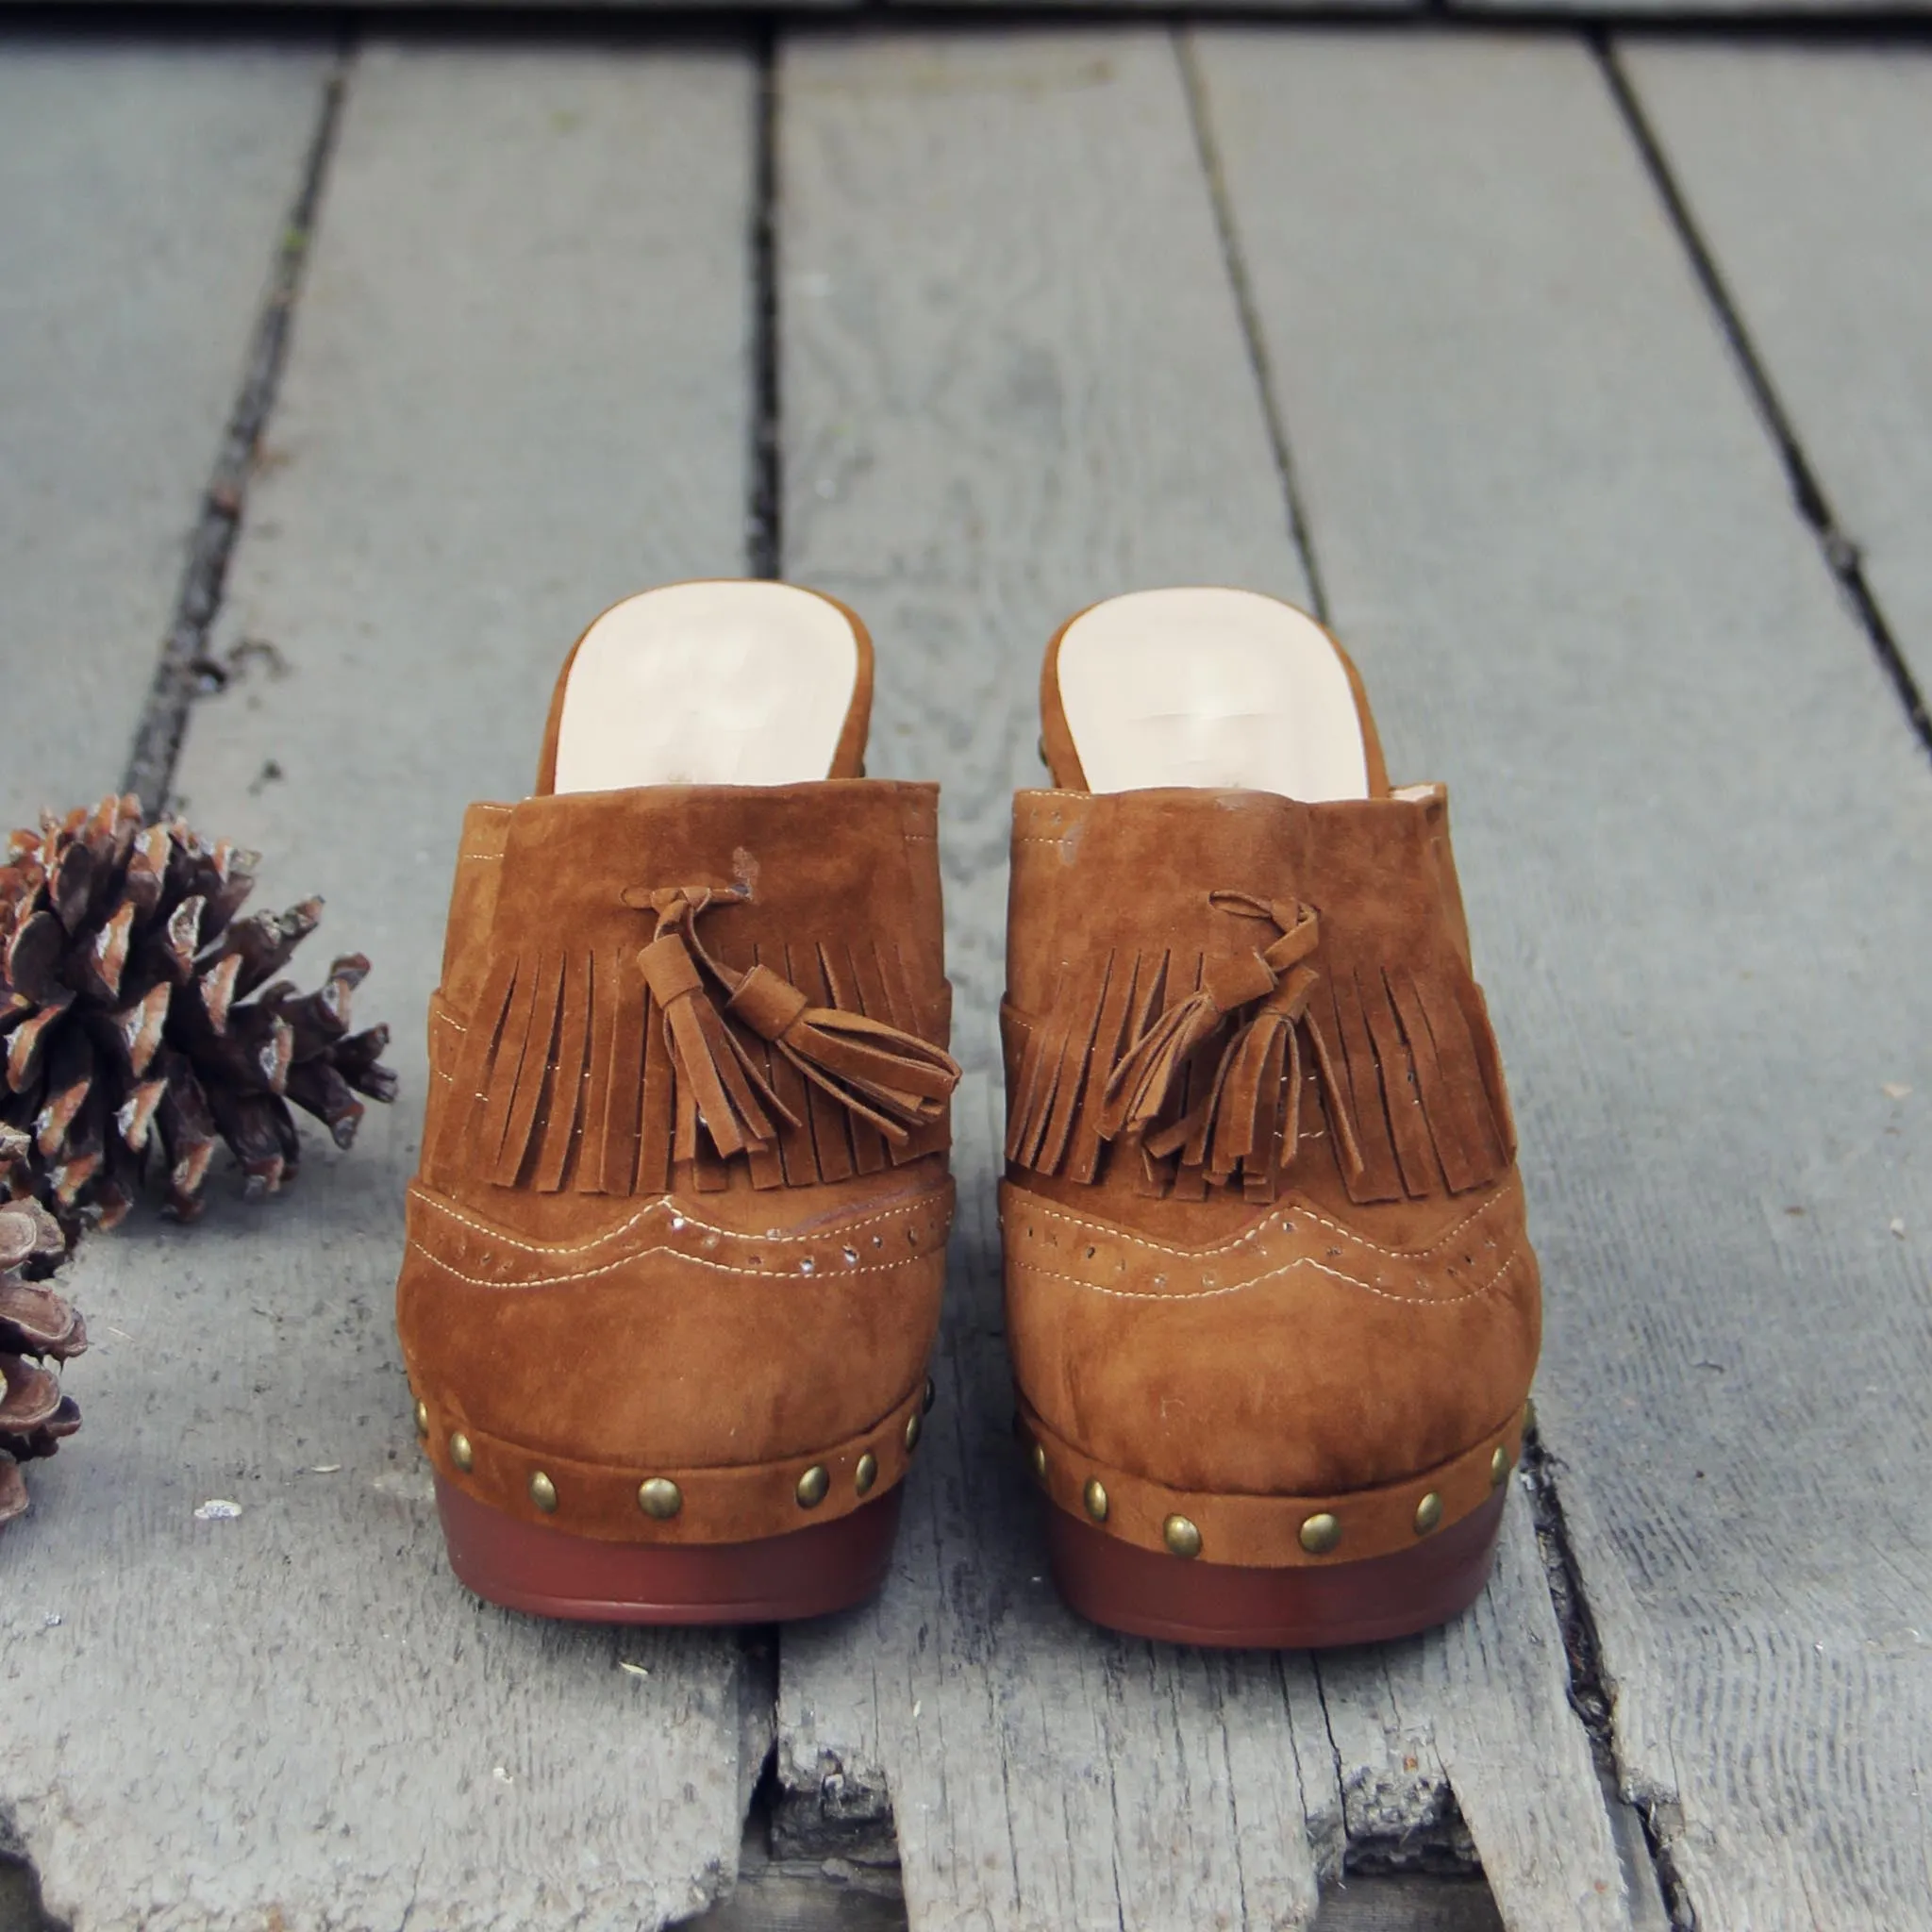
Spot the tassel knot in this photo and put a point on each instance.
(884, 1075)
(1249, 1120)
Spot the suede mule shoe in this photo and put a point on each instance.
(677, 1241)
(1270, 1299)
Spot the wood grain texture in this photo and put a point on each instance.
(1810, 174)
(1015, 380)
(1720, 13)
(517, 389)
(142, 188)
(834, 1895)
(1439, 1764)
(1695, 837)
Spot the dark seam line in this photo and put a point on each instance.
(1901, 23)
(1272, 416)
(1842, 554)
(761, 1648)
(1589, 1692)
(183, 671)
(766, 521)
(1573, 1615)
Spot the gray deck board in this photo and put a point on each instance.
(518, 389)
(1809, 173)
(1695, 833)
(990, 422)
(1745, 13)
(143, 190)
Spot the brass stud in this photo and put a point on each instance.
(459, 1451)
(932, 1395)
(915, 1427)
(661, 1497)
(543, 1492)
(1499, 1465)
(1320, 1534)
(1094, 1497)
(866, 1473)
(1181, 1537)
(1037, 1456)
(1428, 1512)
(421, 1418)
(813, 1485)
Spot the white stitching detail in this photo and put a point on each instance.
(1125, 1294)
(1038, 1204)
(503, 1238)
(436, 1261)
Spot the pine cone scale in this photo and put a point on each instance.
(35, 1321)
(137, 1006)
(32, 1395)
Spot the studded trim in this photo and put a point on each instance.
(632, 1505)
(1268, 1532)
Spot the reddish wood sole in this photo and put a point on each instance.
(806, 1572)
(1311, 1608)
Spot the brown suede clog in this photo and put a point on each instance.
(676, 1243)
(1270, 1299)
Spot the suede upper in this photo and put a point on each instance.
(684, 1196)
(1264, 1233)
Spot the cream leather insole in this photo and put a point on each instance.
(1223, 689)
(723, 683)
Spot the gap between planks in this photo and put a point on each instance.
(1840, 549)
(184, 667)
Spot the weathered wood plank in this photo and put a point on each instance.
(518, 389)
(1810, 174)
(1439, 1764)
(1261, 8)
(832, 1896)
(1878, 12)
(835, 1895)
(990, 421)
(1689, 815)
(1013, 381)
(142, 188)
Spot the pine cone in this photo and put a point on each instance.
(124, 981)
(34, 1325)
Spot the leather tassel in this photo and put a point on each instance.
(726, 1091)
(1249, 1121)
(599, 1073)
(891, 1079)
(1151, 1075)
